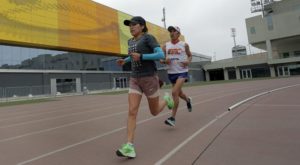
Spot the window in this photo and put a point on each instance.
(286, 55)
(252, 30)
(297, 53)
(270, 22)
(14, 57)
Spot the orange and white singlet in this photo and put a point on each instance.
(176, 53)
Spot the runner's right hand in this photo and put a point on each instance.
(135, 56)
(120, 62)
(168, 61)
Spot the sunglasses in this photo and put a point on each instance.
(133, 24)
(173, 31)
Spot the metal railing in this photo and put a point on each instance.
(35, 92)
(23, 93)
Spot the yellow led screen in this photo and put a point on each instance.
(80, 25)
(28, 21)
(124, 32)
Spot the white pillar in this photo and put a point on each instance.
(207, 76)
(237, 73)
(272, 71)
(53, 86)
(226, 77)
(78, 85)
(269, 49)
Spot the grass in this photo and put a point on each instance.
(202, 83)
(14, 103)
(113, 92)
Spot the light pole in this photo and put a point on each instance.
(262, 8)
(214, 57)
(233, 35)
(249, 45)
(164, 17)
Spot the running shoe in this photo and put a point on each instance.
(127, 150)
(189, 104)
(169, 100)
(170, 121)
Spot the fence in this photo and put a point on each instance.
(1, 92)
(23, 93)
(66, 88)
(99, 86)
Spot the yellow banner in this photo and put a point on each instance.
(79, 25)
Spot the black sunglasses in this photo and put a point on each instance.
(132, 23)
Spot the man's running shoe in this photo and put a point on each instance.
(169, 100)
(170, 121)
(127, 150)
(189, 104)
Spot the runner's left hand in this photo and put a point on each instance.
(135, 56)
(184, 63)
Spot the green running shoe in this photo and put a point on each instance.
(169, 100)
(127, 150)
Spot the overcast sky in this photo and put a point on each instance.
(206, 25)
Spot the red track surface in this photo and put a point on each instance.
(87, 130)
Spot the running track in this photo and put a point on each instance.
(86, 130)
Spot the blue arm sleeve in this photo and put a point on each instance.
(157, 55)
(127, 59)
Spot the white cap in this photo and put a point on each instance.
(176, 28)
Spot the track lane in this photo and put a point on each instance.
(207, 111)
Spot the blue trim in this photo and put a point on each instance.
(173, 77)
(127, 59)
(157, 55)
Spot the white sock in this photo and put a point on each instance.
(130, 143)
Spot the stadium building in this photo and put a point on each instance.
(277, 31)
(62, 46)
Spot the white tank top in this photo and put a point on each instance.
(176, 53)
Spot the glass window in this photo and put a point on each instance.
(6, 55)
(286, 55)
(252, 30)
(269, 22)
(1, 55)
(14, 57)
(297, 53)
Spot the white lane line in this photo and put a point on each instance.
(275, 105)
(172, 152)
(70, 146)
(101, 117)
(260, 94)
(84, 141)
(245, 100)
(61, 126)
(119, 129)
(76, 113)
(62, 116)
(36, 112)
(97, 118)
(44, 113)
(114, 131)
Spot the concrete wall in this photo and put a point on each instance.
(285, 21)
(40, 78)
(254, 59)
(43, 82)
(21, 79)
